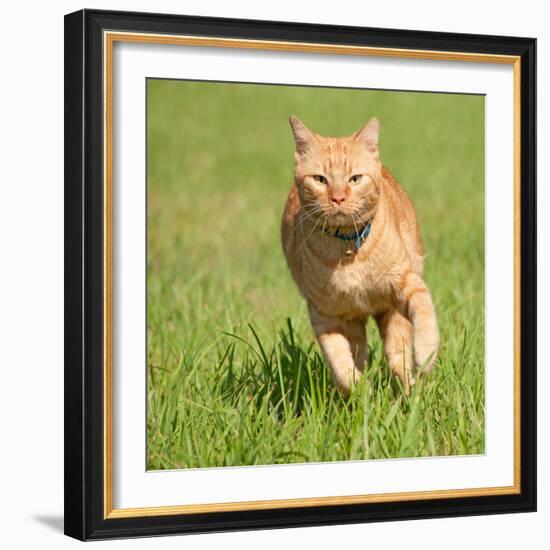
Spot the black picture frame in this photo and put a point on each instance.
(84, 281)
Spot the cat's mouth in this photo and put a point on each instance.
(343, 219)
(340, 217)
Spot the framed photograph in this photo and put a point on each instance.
(300, 274)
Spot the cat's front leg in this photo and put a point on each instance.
(416, 302)
(397, 334)
(357, 336)
(332, 334)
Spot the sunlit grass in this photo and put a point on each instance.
(234, 374)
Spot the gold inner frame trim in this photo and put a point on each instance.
(109, 39)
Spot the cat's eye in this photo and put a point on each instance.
(320, 179)
(355, 179)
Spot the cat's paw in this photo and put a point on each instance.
(425, 357)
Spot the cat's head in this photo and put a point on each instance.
(338, 177)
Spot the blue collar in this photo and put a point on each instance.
(357, 236)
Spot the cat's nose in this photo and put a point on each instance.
(338, 198)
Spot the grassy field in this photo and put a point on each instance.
(234, 374)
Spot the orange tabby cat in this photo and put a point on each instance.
(353, 245)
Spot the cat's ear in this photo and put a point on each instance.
(303, 137)
(369, 134)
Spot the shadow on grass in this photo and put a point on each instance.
(291, 376)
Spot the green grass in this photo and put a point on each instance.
(234, 374)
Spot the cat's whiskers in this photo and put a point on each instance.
(354, 224)
(312, 201)
(308, 204)
(312, 230)
(323, 233)
(310, 214)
